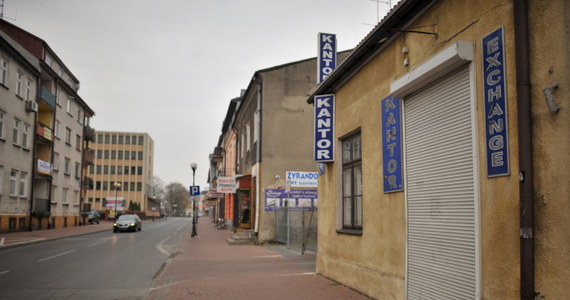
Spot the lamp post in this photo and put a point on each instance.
(117, 186)
(194, 166)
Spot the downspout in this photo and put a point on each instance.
(34, 161)
(526, 191)
(258, 152)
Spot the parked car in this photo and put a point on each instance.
(93, 217)
(127, 223)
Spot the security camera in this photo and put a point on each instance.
(277, 177)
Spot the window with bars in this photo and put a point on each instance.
(352, 183)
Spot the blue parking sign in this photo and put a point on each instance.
(195, 190)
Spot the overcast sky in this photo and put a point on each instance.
(170, 67)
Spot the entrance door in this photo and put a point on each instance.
(441, 197)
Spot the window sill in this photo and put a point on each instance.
(4, 86)
(350, 231)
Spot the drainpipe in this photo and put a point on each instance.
(526, 191)
(257, 125)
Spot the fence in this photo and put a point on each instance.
(297, 228)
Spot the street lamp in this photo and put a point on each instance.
(194, 166)
(117, 186)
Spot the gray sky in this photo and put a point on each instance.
(170, 67)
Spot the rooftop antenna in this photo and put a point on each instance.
(2, 11)
(389, 2)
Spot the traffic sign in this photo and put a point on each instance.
(195, 190)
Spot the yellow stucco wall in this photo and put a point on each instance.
(374, 263)
(550, 47)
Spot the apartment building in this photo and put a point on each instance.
(122, 173)
(54, 136)
(19, 73)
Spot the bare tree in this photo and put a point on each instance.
(157, 187)
(177, 197)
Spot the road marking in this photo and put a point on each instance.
(57, 255)
(95, 244)
(266, 256)
(4, 272)
(160, 248)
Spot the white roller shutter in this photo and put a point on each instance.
(440, 187)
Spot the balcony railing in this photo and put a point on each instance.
(89, 156)
(89, 133)
(44, 168)
(41, 207)
(44, 132)
(47, 96)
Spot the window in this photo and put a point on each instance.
(64, 195)
(105, 185)
(2, 114)
(99, 169)
(139, 171)
(56, 131)
(139, 186)
(78, 142)
(121, 138)
(16, 132)
(76, 197)
(23, 181)
(128, 139)
(114, 139)
(19, 84)
(79, 115)
(106, 154)
(133, 155)
(141, 140)
(100, 139)
(1, 180)
(133, 170)
(99, 154)
(77, 170)
(133, 186)
(28, 94)
(140, 155)
(13, 182)
(3, 71)
(67, 166)
(68, 135)
(127, 154)
(107, 139)
(112, 169)
(98, 185)
(113, 154)
(69, 106)
(91, 169)
(105, 169)
(55, 161)
(120, 154)
(352, 183)
(53, 194)
(126, 170)
(26, 136)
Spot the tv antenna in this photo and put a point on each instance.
(389, 2)
(2, 11)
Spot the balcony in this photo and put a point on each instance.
(41, 207)
(218, 155)
(47, 96)
(44, 168)
(89, 133)
(87, 183)
(88, 156)
(44, 132)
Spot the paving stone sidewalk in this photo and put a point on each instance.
(208, 267)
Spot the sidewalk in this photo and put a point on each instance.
(208, 268)
(18, 238)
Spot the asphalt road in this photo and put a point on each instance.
(103, 265)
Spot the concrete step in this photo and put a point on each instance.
(242, 238)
